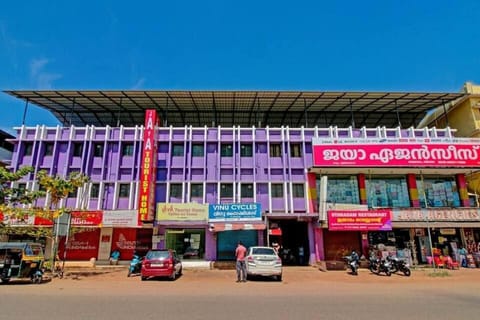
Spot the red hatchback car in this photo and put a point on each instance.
(161, 263)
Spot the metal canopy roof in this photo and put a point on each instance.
(239, 108)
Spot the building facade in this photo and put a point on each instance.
(318, 192)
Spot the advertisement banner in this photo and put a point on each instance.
(79, 219)
(81, 245)
(182, 212)
(16, 221)
(364, 153)
(146, 197)
(351, 220)
(235, 212)
(125, 241)
(120, 218)
(441, 214)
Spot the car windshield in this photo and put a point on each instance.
(267, 251)
(157, 255)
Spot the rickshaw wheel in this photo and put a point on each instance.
(5, 281)
(36, 279)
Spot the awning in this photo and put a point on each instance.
(433, 224)
(275, 232)
(218, 227)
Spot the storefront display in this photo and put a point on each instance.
(188, 243)
(387, 192)
(438, 192)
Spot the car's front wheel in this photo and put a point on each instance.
(279, 278)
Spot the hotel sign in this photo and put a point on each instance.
(146, 197)
(358, 220)
(396, 152)
(182, 212)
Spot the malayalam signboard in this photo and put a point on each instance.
(79, 219)
(354, 220)
(120, 218)
(404, 152)
(432, 214)
(235, 212)
(182, 212)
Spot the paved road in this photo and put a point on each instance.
(305, 293)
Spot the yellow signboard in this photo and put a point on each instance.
(182, 212)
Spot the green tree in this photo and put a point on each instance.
(19, 203)
(12, 198)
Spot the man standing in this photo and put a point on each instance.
(241, 267)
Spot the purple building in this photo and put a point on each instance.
(254, 148)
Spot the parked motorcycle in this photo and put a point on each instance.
(352, 263)
(397, 265)
(385, 267)
(135, 265)
(287, 256)
(374, 264)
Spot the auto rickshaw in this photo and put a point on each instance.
(21, 260)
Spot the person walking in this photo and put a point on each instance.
(241, 267)
(463, 256)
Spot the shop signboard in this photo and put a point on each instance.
(79, 219)
(81, 245)
(146, 197)
(401, 152)
(182, 212)
(441, 214)
(234, 212)
(358, 220)
(120, 218)
(16, 221)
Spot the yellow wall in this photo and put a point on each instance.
(465, 118)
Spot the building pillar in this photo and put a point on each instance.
(462, 190)
(319, 244)
(413, 190)
(312, 193)
(362, 188)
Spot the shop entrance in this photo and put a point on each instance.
(292, 237)
(227, 242)
(188, 243)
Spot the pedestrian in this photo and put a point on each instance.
(276, 247)
(114, 256)
(301, 255)
(463, 256)
(241, 267)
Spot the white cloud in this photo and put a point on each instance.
(36, 65)
(138, 85)
(40, 76)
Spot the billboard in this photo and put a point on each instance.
(146, 196)
(356, 220)
(181, 212)
(234, 212)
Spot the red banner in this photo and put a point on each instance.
(397, 154)
(81, 245)
(146, 197)
(351, 220)
(79, 219)
(125, 240)
(128, 240)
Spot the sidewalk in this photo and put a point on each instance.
(88, 268)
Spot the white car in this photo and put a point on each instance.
(263, 261)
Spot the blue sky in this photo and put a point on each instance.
(242, 45)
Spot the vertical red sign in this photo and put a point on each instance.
(146, 197)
